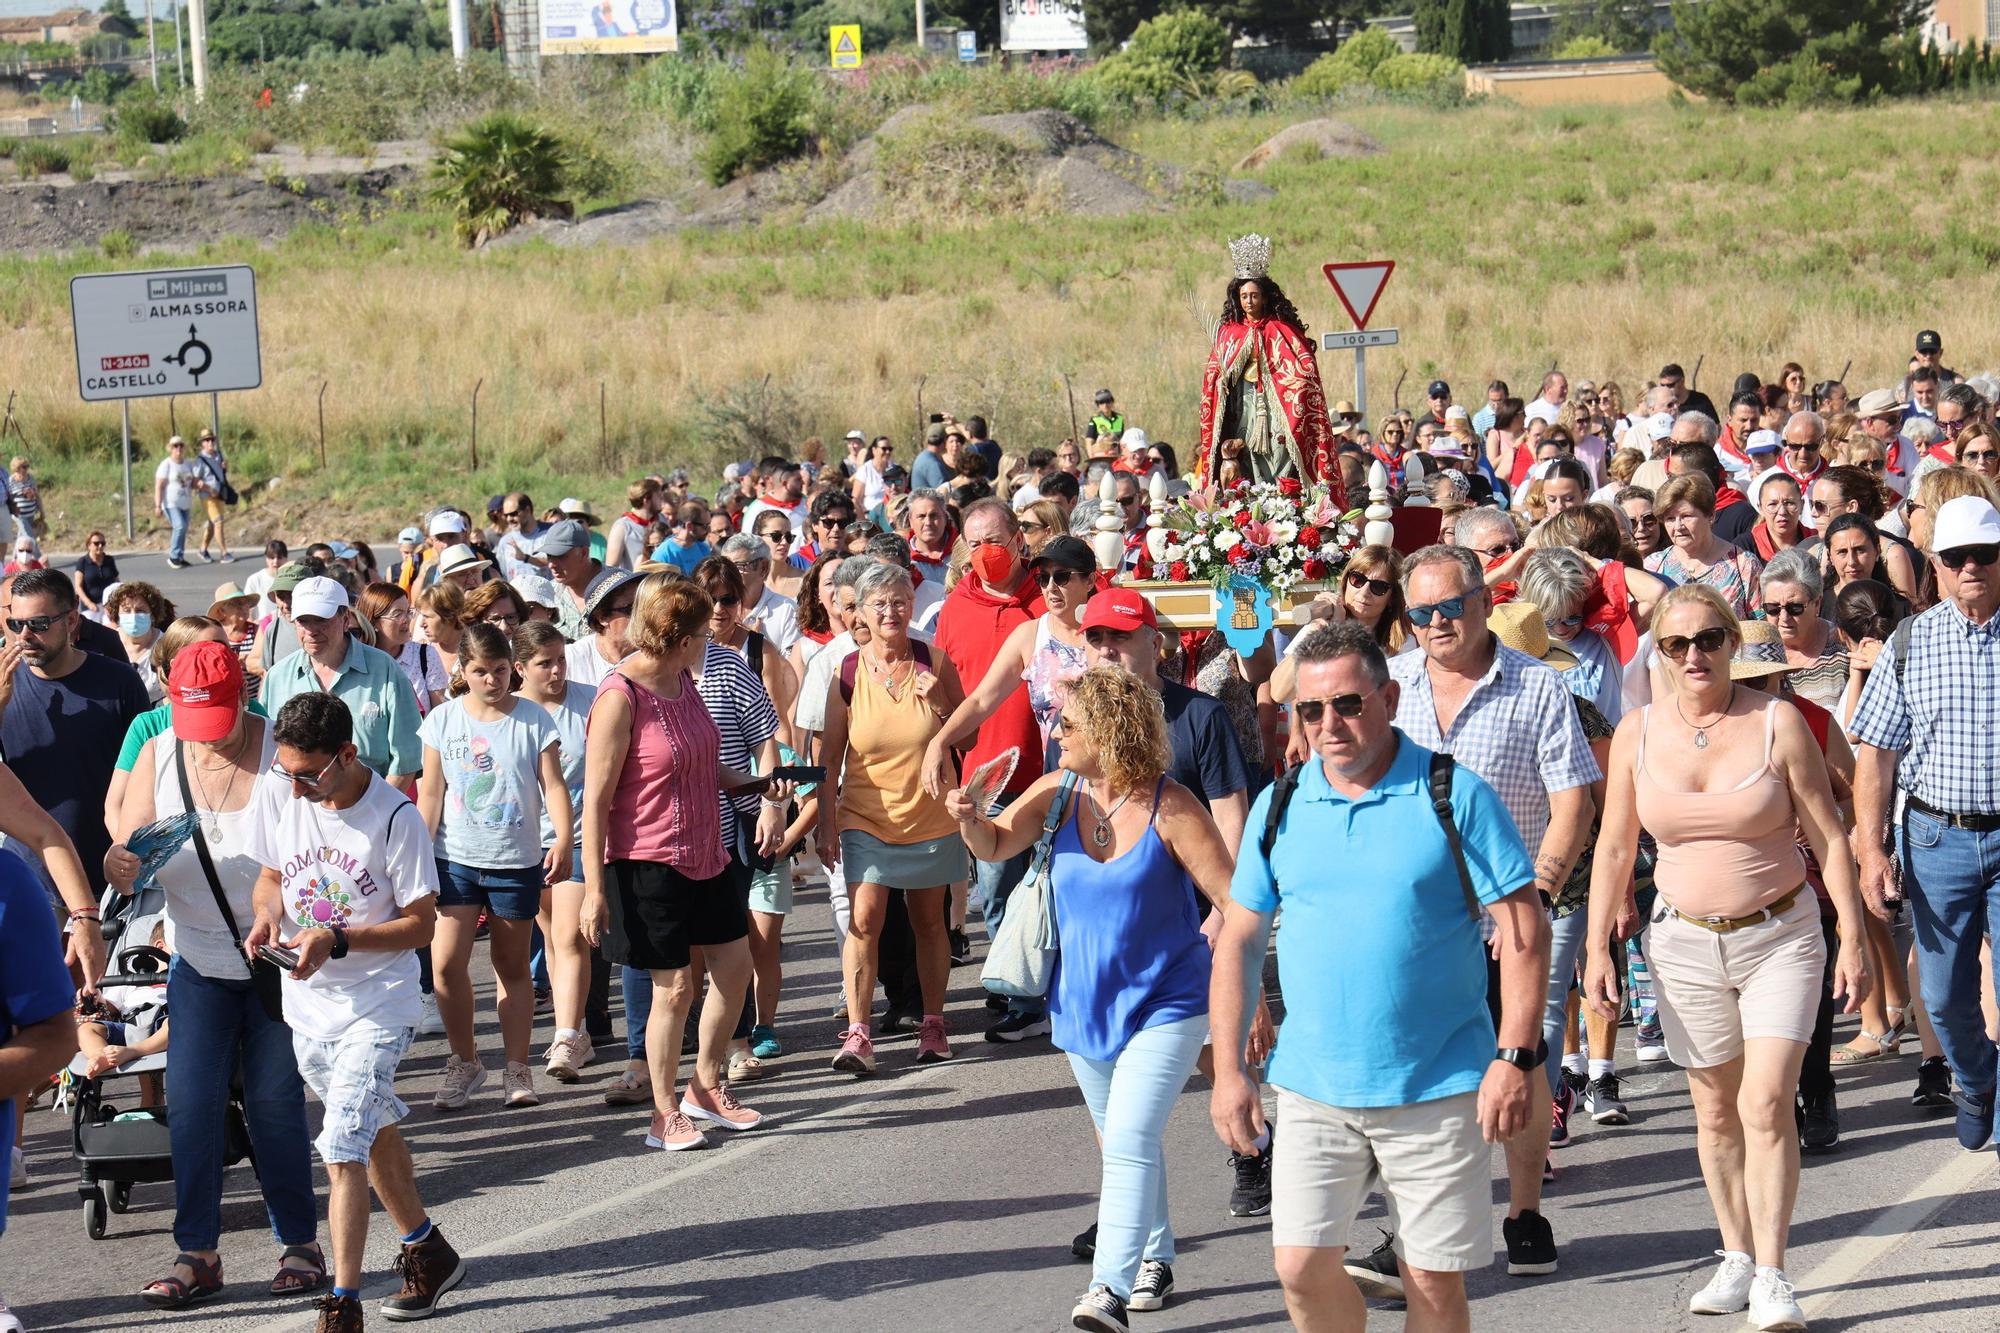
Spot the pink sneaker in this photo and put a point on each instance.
(717, 1107)
(673, 1132)
(931, 1044)
(857, 1053)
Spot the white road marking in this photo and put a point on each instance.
(1890, 1228)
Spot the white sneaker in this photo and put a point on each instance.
(17, 1172)
(9, 1321)
(462, 1078)
(1771, 1303)
(518, 1082)
(432, 1022)
(567, 1055)
(1729, 1290)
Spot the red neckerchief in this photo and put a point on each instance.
(1725, 496)
(1942, 453)
(1760, 533)
(643, 522)
(1805, 480)
(1192, 642)
(1391, 463)
(1726, 442)
(1608, 605)
(1890, 454)
(943, 555)
(1502, 592)
(1142, 568)
(779, 502)
(822, 638)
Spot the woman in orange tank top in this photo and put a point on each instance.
(1722, 776)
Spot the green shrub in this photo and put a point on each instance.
(142, 117)
(499, 172)
(1166, 55)
(686, 88)
(260, 140)
(767, 113)
(40, 157)
(1348, 66)
(939, 162)
(1589, 46)
(1421, 72)
(118, 244)
(8, 144)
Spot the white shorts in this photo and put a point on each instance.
(1429, 1160)
(355, 1078)
(1715, 990)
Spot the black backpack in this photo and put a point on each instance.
(1441, 766)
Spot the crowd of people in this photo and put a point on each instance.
(1683, 720)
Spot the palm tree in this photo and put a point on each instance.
(499, 172)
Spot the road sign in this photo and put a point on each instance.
(1334, 342)
(168, 331)
(843, 42)
(1359, 286)
(968, 45)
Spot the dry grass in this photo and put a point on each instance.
(1611, 241)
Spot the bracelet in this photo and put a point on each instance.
(775, 805)
(339, 949)
(86, 914)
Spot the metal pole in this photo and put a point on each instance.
(459, 37)
(125, 410)
(180, 66)
(215, 418)
(152, 47)
(198, 46)
(920, 25)
(1361, 382)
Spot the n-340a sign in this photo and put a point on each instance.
(168, 331)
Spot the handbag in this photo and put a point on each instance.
(1021, 959)
(265, 977)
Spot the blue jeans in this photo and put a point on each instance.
(1130, 1098)
(1565, 943)
(1952, 879)
(214, 1024)
(177, 521)
(996, 884)
(538, 959)
(637, 983)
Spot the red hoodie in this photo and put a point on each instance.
(971, 628)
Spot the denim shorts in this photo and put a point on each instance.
(354, 1077)
(511, 895)
(575, 861)
(771, 890)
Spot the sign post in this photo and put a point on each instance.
(161, 333)
(1359, 286)
(843, 42)
(968, 46)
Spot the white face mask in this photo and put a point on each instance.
(135, 623)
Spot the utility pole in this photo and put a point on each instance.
(198, 46)
(180, 67)
(920, 25)
(152, 47)
(459, 37)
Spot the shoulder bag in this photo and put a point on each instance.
(268, 981)
(1021, 959)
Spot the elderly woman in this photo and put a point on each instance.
(441, 618)
(1695, 554)
(1726, 779)
(1794, 601)
(1640, 506)
(1780, 504)
(1940, 487)
(140, 611)
(885, 704)
(209, 761)
(1558, 581)
(1851, 490)
(1129, 1001)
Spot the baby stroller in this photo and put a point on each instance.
(115, 1149)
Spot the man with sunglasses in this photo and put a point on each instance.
(331, 661)
(516, 552)
(1929, 723)
(1800, 452)
(1388, 943)
(1508, 718)
(1882, 421)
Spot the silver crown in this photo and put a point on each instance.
(1251, 255)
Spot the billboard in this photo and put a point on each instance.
(608, 27)
(1041, 25)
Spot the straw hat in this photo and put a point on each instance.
(1762, 652)
(1520, 626)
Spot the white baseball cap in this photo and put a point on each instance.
(1660, 425)
(1763, 442)
(1970, 520)
(1134, 441)
(536, 589)
(857, 435)
(446, 522)
(319, 597)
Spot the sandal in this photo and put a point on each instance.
(1850, 1055)
(170, 1293)
(746, 1068)
(629, 1089)
(1900, 1024)
(300, 1281)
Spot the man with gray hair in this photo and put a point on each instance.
(765, 609)
(1800, 455)
(1488, 533)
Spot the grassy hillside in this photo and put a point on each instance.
(1609, 240)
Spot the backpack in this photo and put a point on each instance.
(852, 663)
(1440, 785)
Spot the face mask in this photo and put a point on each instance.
(135, 623)
(993, 563)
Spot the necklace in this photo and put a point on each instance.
(889, 675)
(1101, 835)
(208, 808)
(1701, 731)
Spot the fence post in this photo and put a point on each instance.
(475, 422)
(322, 425)
(603, 430)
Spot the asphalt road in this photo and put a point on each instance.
(944, 1197)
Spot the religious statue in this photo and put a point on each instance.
(1261, 402)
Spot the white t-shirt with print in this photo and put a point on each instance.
(492, 814)
(354, 867)
(180, 479)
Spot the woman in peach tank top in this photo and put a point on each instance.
(1725, 778)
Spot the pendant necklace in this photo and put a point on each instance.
(1101, 835)
(1701, 732)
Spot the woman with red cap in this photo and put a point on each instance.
(209, 763)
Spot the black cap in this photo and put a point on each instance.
(1103, 396)
(1438, 389)
(895, 475)
(1928, 341)
(1068, 553)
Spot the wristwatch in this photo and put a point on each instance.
(339, 942)
(1522, 1058)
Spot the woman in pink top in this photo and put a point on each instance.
(657, 880)
(1725, 779)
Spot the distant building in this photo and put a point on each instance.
(72, 27)
(1964, 22)
(1535, 25)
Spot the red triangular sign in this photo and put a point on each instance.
(1359, 286)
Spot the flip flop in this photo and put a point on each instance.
(170, 1293)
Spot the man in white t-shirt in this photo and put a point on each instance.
(1548, 404)
(350, 886)
(783, 485)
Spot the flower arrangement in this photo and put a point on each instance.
(1281, 534)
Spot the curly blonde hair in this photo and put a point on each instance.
(1124, 720)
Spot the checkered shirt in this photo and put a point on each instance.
(1517, 729)
(1942, 710)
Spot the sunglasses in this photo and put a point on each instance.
(1709, 641)
(1954, 427)
(1380, 587)
(620, 609)
(1645, 520)
(1772, 610)
(32, 625)
(1972, 456)
(1957, 557)
(836, 523)
(1495, 552)
(1056, 578)
(309, 781)
(1451, 608)
(1311, 711)
(729, 601)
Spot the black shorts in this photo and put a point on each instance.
(658, 914)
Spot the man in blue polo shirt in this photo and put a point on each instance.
(1382, 936)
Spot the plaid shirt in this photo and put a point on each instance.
(1942, 709)
(1517, 729)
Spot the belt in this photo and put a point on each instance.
(1723, 925)
(1970, 823)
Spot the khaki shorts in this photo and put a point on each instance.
(1715, 990)
(1428, 1159)
(214, 506)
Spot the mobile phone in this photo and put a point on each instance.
(798, 773)
(278, 956)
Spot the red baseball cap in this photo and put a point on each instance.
(1122, 609)
(204, 691)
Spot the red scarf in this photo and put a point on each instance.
(1192, 642)
(1805, 480)
(1607, 611)
(820, 637)
(1391, 463)
(1727, 495)
(1943, 453)
(639, 519)
(943, 555)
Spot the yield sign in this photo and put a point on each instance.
(1359, 286)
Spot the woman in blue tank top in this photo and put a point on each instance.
(1129, 1000)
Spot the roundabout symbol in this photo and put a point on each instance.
(180, 358)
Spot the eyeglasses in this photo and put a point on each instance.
(32, 625)
(1954, 427)
(1874, 465)
(1379, 587)
(97, 541)
(1971, 456)
(502, 619)
(1957, 557)
(1063, 724)
(401, 617)
(311, 782)
(837, 524)
(1644, 520)
(621, 609)
(1055, 578)
(1031, 525)
(1791, 610)
(1707, 642)
(1783, 506)
(1495, 552)
(1819, 506)
(1311, 711)
(1799, 446)
(1451, 608)
(726, 600)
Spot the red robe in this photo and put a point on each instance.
(1294, 374)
